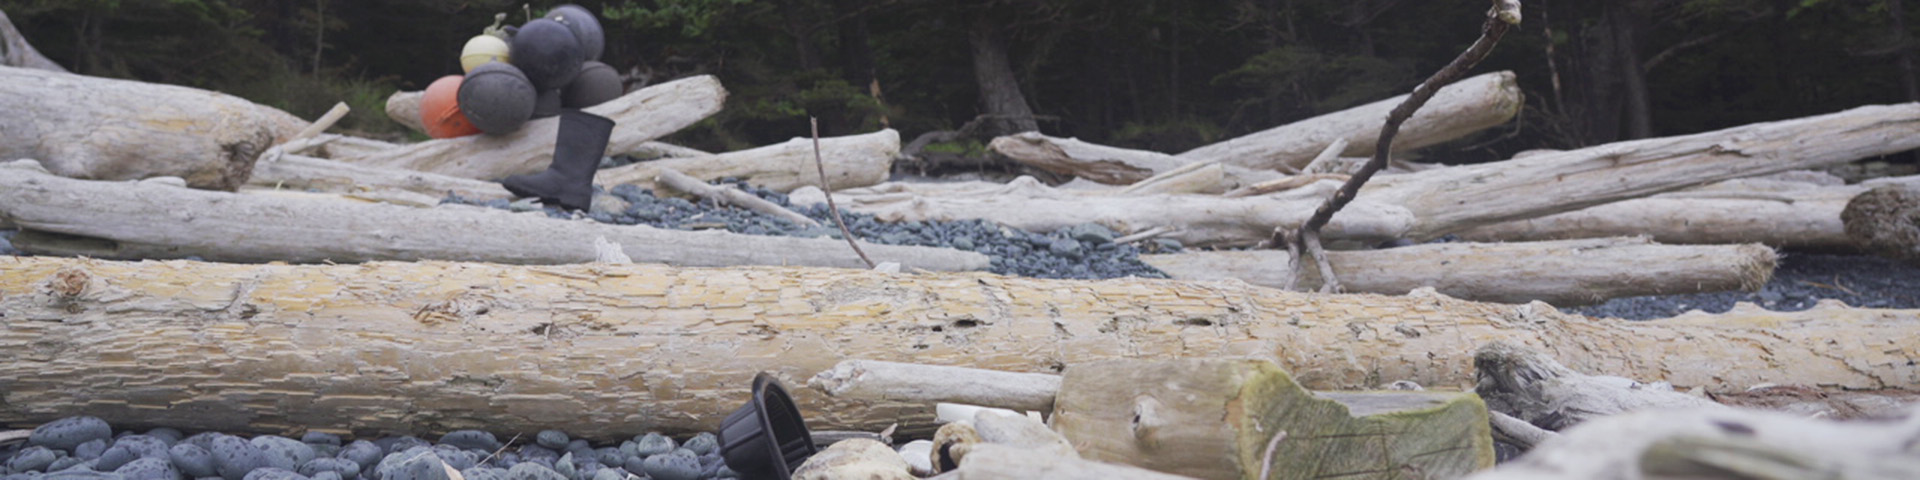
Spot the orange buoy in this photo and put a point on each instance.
(440, 110)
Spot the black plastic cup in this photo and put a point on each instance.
(766, 439)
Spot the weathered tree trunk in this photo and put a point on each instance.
(1533, 387)
(639, 116)
(1779, 213)
(1562, 273)
(599, 350)
(16, 52)
(107, 129)
(1000, 95)
(1465, 107)
(255, 228)
(851, 161)
(404, 107)
(1428, 204)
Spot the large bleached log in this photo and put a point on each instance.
(639, 116)
(16, 52)
(1562, 273)
(108, 129)
(1465, 107)
(1428, 204)
(599, 349)
(404, 108)
(851, 161)
(1780, 213)
(221, 226)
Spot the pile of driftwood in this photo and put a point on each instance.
(397, 315)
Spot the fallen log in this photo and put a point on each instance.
(1779, 213)
(1563, 273)
(1533, 387)
(404, 108)
(1721, 443)
(851, 161)
(727, 195)
(1470, 105)
(600, 349)
(306, 173)
(1105, 164)
(108, 129)
(639, 116)
(1425, 205)
(16, 52)
(221, 226)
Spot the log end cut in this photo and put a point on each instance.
(1886, 221)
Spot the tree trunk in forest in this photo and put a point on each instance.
(993, 70)
(802, 34)
(601, 350)
(856, 51)
(1637, 109)
(1903, 59)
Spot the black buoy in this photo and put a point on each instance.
(586, 28)
(596, 84)
(496, 98)
(548, 53)
(766, 439)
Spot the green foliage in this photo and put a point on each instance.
(1313, 81)
(309, 96)
(694, 17)
(1172, 135)
(965, 148)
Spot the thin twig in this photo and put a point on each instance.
(1503, 16)
(821, 165)
(1266, 458)
(503, 447)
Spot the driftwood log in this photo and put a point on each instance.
(600, 349)
(1424, 205)
(1785, 213)
(1537, 389)
(404, 108)
(640, 116)
(16, 52)
(1464, 107)
(108, 129)
(1721, 443)
(851, 161)
(1562, 273)
(222, 226)
(300, 172)
(1105, 164)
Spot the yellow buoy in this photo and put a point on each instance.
(482, 49)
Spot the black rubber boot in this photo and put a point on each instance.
(568, 181)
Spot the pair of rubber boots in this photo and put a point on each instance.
(568, 181)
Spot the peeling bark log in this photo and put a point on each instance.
(1465, 107)
(255, 228)
(600, 350)
(1787, 214)
(16, 52)
(108, 129)
(851, 161)
(1886, 221)
(1425, 205)
(639, 116)
(1562, 273)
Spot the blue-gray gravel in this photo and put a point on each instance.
(1082, 252)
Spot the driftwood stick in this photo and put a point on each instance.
(929, 384)
(1518, 432)
(16, 52)
(727, 195)
(1322, 162)
(325, 122)
(1504, 15)
(1285, 183)
(1202, 177)
(852, 161)
(300, 172)
(826, 188)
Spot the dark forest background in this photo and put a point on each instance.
(1164, 75)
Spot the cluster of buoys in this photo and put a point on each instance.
(518, 74)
